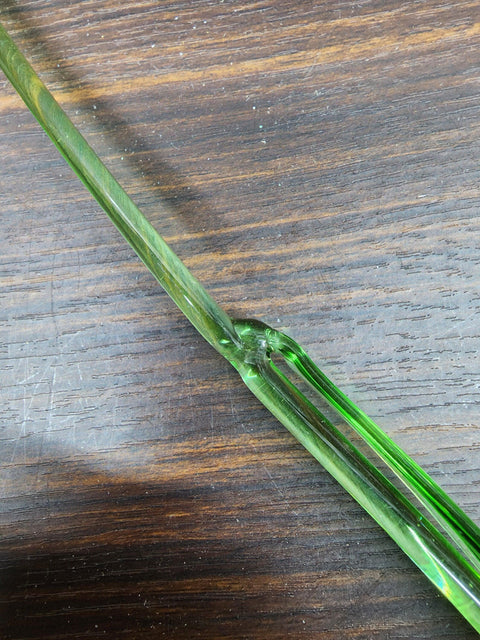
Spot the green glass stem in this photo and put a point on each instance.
(455, 522)
(249, 345)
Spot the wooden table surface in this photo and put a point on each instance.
(316, 165)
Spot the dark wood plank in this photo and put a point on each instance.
(316, 166)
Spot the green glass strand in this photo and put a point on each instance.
(249, 345)
(454, 521)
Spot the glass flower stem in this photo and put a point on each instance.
(249, 345)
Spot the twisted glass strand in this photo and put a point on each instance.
(249, 346)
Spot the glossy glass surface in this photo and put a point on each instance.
(249, 346)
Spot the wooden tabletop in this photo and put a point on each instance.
(316, 166)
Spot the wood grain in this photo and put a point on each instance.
(316, 166)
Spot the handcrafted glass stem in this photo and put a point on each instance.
(249, 345)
